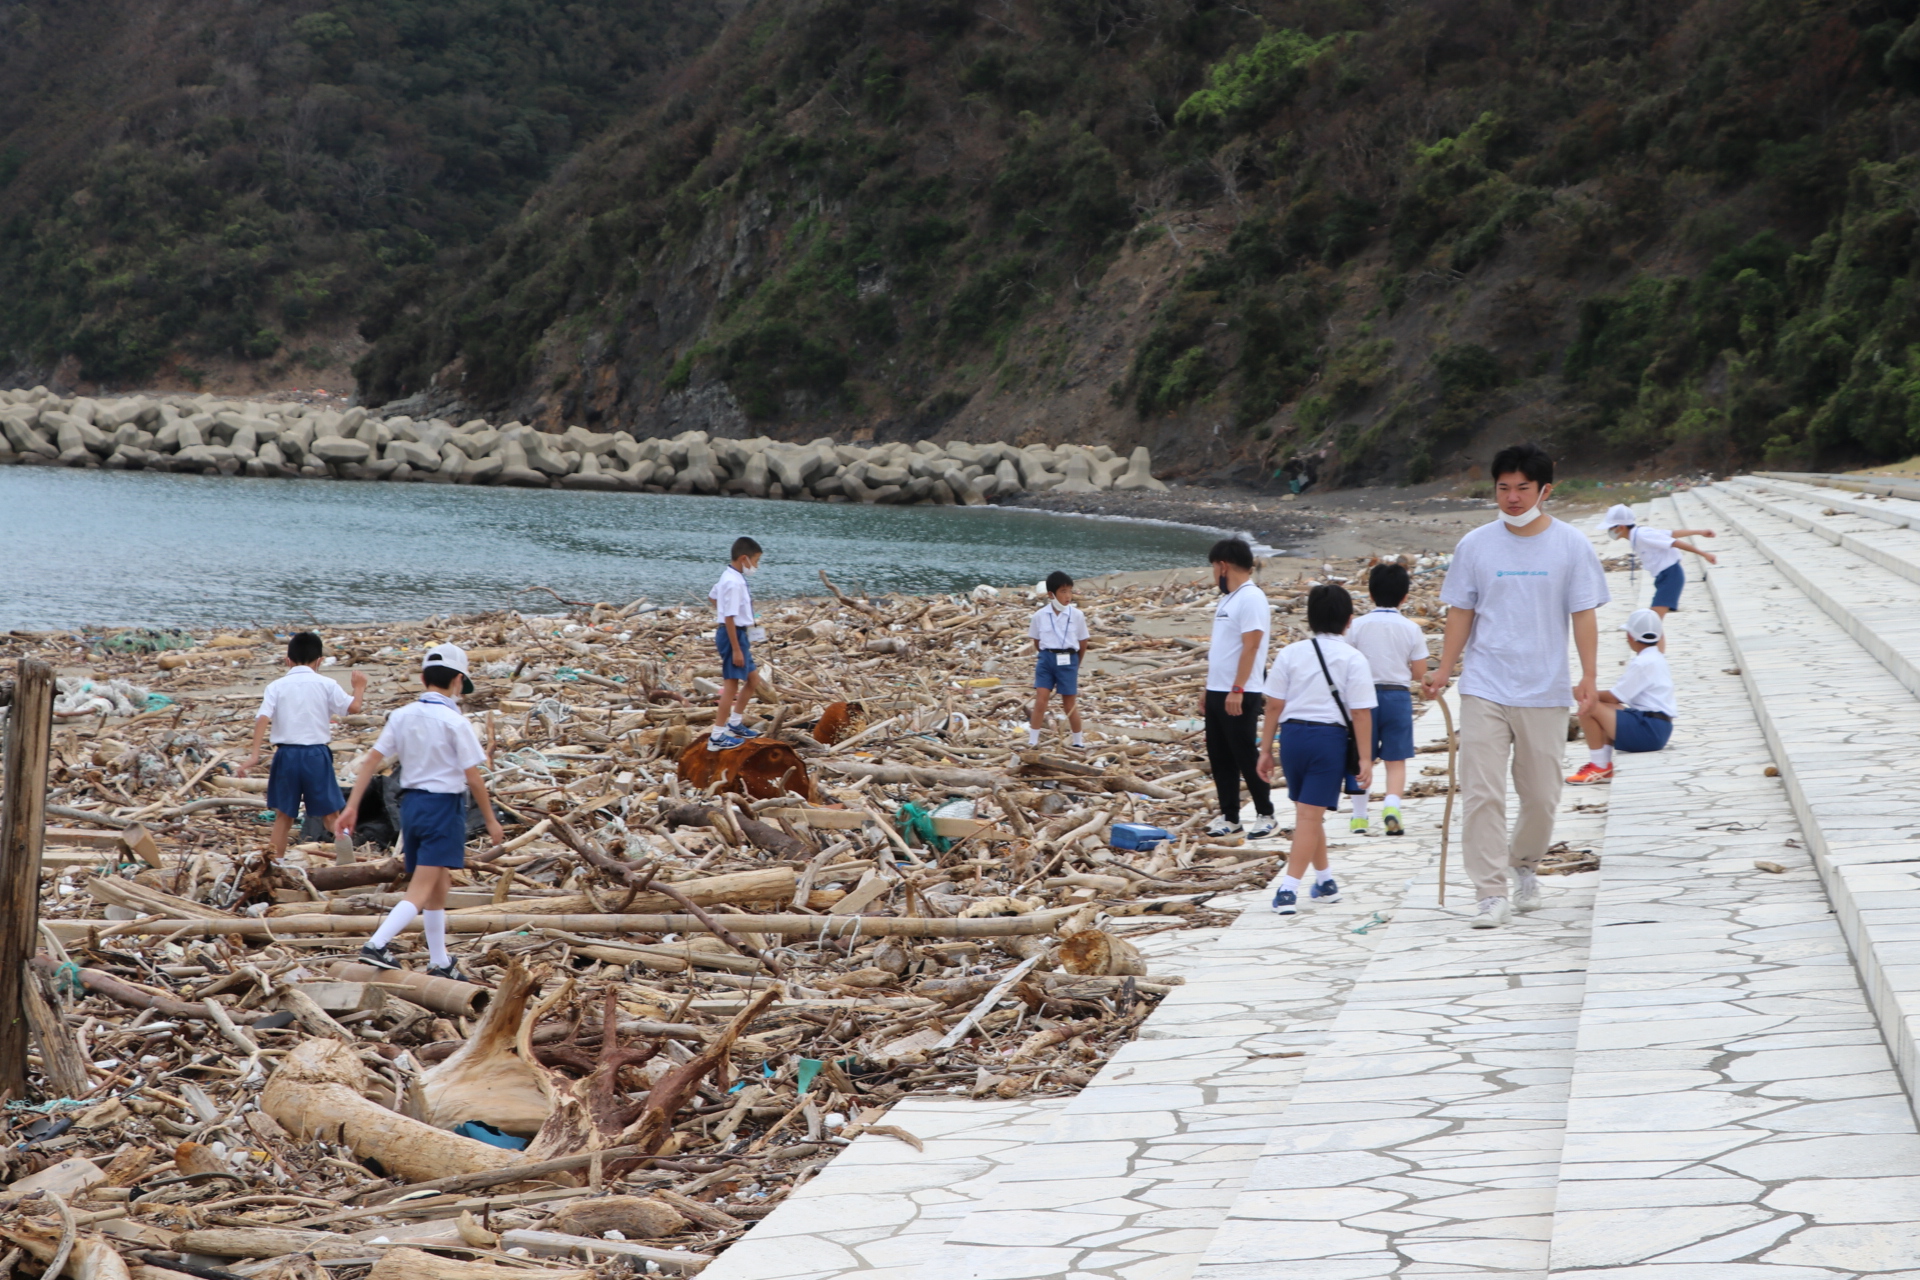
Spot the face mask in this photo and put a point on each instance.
(1522, 520)
(751, 570)
(1057, 606)
(1221, 582)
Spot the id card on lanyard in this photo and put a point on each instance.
(1064, 650)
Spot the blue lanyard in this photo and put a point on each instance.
(1064, 619)
(441, 699)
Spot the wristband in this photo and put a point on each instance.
(1239, 688)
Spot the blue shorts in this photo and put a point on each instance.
(303, 772)
(1393, 722)
(1050, 673)
(433, 828)
(1638, 731)
(1314, 758)
(729, 671)
(1666, 587)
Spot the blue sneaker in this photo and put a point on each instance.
(741, 732)
(1286, 903)
(1327, 890)
(724, 741)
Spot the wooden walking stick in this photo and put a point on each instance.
(1446, 822)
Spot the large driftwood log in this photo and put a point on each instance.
(791, 926)
(486, 1079)
(632, 1216)
(417, 1264)
(767, 884)
(318, 1092)
(267, 1242)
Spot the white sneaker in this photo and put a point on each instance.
(1223, 827)
(1262, 826)
(1526, 889)
(1493, 914)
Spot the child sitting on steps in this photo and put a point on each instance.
(1637, 713)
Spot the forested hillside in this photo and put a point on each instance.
(1379, 234)
(197, 180)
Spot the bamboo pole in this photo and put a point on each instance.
(23, 823)
(790, 926)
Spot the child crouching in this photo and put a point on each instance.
(1637, 713)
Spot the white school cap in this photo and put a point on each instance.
(452, 657)
(1643, 625)
(1618, 514)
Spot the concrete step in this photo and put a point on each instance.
(1886, 538)
(1872, 604)
(1844, 733)
(1734, 1109)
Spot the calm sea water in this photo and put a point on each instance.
(84, 547)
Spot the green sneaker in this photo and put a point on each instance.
(1392, 820)
(1358, 826)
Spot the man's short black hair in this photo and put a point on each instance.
(303, 648)
(1530, 460)
(1388, 584)
(440, 677)
(1056, 580)
(744, 547)
(1329, 609)
(1233, 551)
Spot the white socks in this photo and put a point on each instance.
(1602, 756)
(1392, 801)
(1289, 882)
(397, 919)
(735, 720)
(1323, 874)
(1079, 739)
(1360, 806)
(1033, 737)
(436, 926)
(719, 730)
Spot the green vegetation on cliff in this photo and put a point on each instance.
(207, 179)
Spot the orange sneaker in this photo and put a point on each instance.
(1590, 773)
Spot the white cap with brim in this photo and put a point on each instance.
(1643, 625)
(1617, 515)
(452, 657)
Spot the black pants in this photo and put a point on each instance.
(1233, 752)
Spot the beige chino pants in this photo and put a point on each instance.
(1534, 740)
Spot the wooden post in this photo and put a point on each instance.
(23, 824)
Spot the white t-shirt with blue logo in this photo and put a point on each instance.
(1523, 591)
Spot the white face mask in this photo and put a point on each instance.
(1057, 606)
(750, 570)
(1522, 520)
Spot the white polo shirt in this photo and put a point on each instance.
(1654, 547)
(731, 598)
(1297, 680)
(1647, 684)
(1058, 628)
(1391, 644)
(1239, 612)
(302, 705)
(433, 743)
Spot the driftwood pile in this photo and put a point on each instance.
(694, 979)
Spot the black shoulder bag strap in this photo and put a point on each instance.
(1353, 741)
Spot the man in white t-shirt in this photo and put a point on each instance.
(1235, 660)
(1515, 588)
(1637, 713)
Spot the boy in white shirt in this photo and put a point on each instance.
(1319, 691)
(298, 709)
(1659, 553)
(1059, 634)
(1241, 624)
(1396, 650)
(733, 635)
(1637, 713)
(440, 758)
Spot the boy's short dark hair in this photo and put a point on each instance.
(1233, 551)
(1329, 609)
(1530, 460)
(743, 547)
(1388, 584)
(1056, 580)
(440, 677)
(303, 648)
